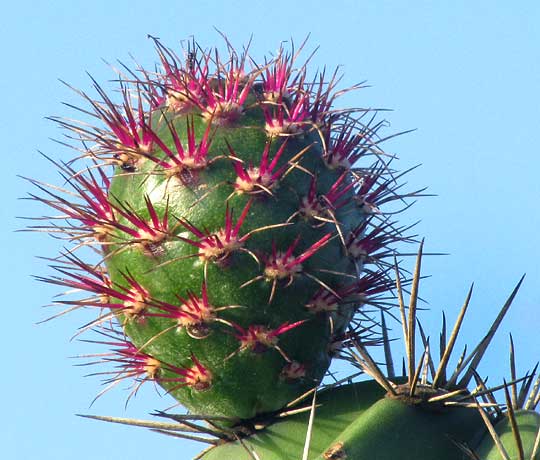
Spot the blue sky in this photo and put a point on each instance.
(465, 74)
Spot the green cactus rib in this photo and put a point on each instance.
(336, 408)
(239, 238)
(358, 421)
(526, 425)
(391, 429)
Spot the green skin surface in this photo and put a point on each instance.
(245, 383)
(336, 409)
(361, 423)
(391, 430)
(528, 423)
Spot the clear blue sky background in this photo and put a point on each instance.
(466, 74)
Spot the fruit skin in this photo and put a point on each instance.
(233, 229)
(391, 429)
(336, 409)
(244, 381)
(528, 424)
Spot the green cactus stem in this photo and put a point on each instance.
(391, 429)
(516, 438)
(512, 429)
(336, 408)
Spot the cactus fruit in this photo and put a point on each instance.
(238, 237)
(223, 230)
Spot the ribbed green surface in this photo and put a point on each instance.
(284, 440)
(391, 430)
(528, 423)
(244, 382)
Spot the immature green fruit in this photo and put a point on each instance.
(233, 229)
(285, 438)
(527, 427)
(243, 310)
(229, 284)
